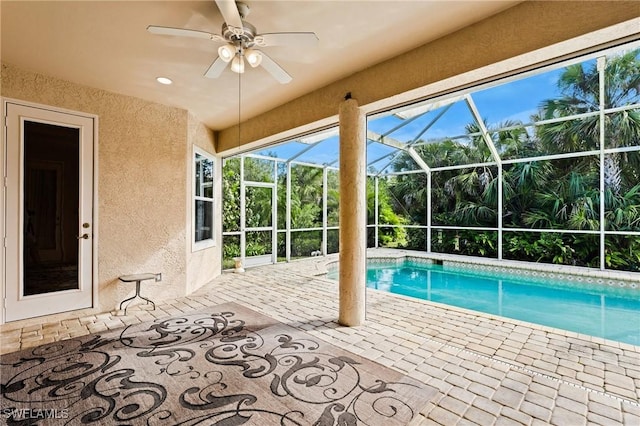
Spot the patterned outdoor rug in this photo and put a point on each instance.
(224, 365)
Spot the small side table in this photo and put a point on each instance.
(138, 278)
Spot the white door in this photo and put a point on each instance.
(49, 211)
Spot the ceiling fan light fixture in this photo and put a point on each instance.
(238, 37)
(254, 57)
(237, 65)
(226, 52)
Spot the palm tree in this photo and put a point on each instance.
(570, 195)
(580, 89)
(306, 196)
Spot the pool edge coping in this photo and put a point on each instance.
(402, 255)
(619, 278)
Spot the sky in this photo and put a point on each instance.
(516, 100)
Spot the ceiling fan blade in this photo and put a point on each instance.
(288, 39)
(274, 69)
(230, 13)
(216, 68)
(183, 32)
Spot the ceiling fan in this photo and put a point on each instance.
(241, 40)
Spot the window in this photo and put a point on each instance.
(203, 200)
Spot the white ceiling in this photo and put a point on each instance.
(104, 44)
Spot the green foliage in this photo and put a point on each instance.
(258, 207)
(231, 195)
(559, 194)
(416, 239)
(623, 210)
(306, 196)
(230, 249)
(258, 243)
(622, 252)
(391, 236)
(467, 242)
(564, 249)
(306, 242)
(333, 241)
(545, 247)
(484, 243)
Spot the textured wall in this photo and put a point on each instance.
(518, 30)
(142, 155)
(204, 264)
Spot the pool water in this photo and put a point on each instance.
(598, 310)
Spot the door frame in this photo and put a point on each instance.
(3, 196)
(273, 228)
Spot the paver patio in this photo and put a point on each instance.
(488, 370)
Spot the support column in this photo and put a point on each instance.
(353, 213)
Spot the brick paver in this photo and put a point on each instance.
(488, 370)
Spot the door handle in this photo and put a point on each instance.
(83, 237)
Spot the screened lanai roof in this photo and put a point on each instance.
(485, 120)
(484, 171)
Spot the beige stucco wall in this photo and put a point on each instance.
(516, 31)
(144, 157)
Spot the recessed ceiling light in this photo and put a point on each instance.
(164, 80)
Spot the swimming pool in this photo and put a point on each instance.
(598, 310)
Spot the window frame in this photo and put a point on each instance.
(209, 242)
